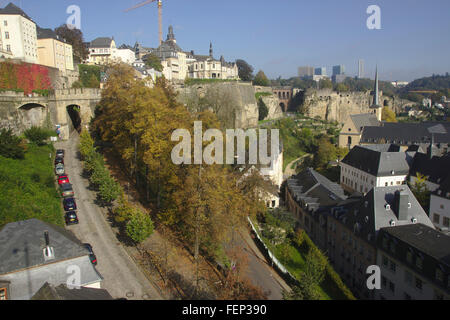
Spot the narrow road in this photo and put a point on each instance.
(259, 270)
(122, 277)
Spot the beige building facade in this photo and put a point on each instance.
(54, 52)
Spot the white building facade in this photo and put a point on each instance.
(19, 35)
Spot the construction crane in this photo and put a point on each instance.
(159, 15)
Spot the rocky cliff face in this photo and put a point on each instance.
(273, 104)
(337, 106)
(233, 103)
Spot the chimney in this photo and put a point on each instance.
(48, 251)
(401, 204)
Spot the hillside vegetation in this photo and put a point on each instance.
(27, 187)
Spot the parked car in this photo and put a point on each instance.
(59, 169)
(59, 160)
(67, 190)
(71, 218)
(69, 204)
(60, 153)
(63, 179)
(92, 256)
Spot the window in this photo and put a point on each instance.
(392, 286)
(6, 35)
(436, 218)
(8, 48)
(409, 256)
(393, 267)
(419, 263)
(385, 261)
(419, 284)
(408, 277)
(439, 275)
(446, 222)
(383, 281)
(5, 23)
(3, 292)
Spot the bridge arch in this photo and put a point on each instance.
(32, 114)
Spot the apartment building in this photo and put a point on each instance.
(353, 228)
(54, 51)
(19, 36)
(366, 167)
(415, 263)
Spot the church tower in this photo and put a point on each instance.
(376, 107)
(210, 50)
(171, 35)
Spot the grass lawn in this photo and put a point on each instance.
(294, 261)
(27, 188)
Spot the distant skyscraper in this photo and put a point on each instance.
(322, 71)
(361, 69)
(338, 70)
(305, 72)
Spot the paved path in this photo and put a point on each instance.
(122, 277)
(259, 271)
(289, 171)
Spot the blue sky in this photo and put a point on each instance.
(277, 36)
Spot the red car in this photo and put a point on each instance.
(63, 179)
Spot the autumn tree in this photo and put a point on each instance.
(388, 115)
(261, 79)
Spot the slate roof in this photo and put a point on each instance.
(422, 242)
(376, 163)
(367, 215)
(21, 245)
(12, 9)
(407, 133)
(437, 169)
(24, 284)
(316, 191)
(364, 120)
(47, 34)
(62, 292)
(102, 42)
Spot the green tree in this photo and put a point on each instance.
(93, 82)
(325, 84)
(341, 87)
(420, 190)
(140, 226)
(109, 190)
(261, 79)
(263, 110)
(10, 145)
(326, 152)
(152, 61)
(245, 70)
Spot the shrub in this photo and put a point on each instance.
(140, 226)
(10, 145)
(38, 135)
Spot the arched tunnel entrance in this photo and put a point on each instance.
(74, 114)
